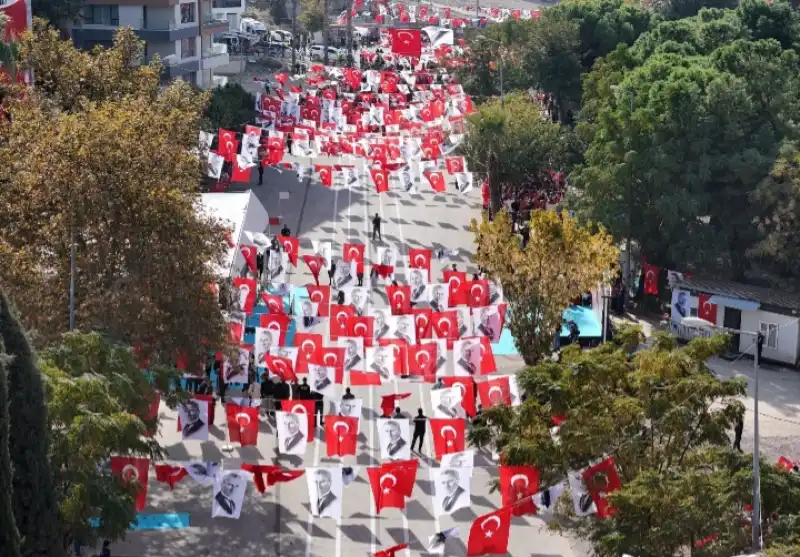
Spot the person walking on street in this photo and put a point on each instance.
(285, 231)
(737, 431)
(331, 272)
(419, 429)
(376, 227)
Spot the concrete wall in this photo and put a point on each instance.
(131, 16)
(788, 330)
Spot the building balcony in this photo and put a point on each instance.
(158, 32)
(177, 68)
(219, 80)
(229, 4)
(214, 24)
(215, 56)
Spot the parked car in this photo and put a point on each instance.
(318, 52)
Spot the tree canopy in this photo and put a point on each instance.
(99, 153)
(230, 108)
(562, 260)
(312, 16)
(58, 12)
(664, 417)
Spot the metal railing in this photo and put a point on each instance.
(216, 49)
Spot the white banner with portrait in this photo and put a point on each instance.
(292, 433)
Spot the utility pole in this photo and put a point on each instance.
(350, 34)
(630, 212)
(294, 34)
(325, 39)
(756, 520)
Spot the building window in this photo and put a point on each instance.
(770, 332)
(101, 15)
(222, 4)
(189, 13)
(188, 49)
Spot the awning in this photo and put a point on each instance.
(735, 303)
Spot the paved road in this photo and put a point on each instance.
(279, 522)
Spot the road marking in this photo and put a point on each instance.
(372, 507)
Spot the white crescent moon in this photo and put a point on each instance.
(246, 251)
(480, 290)
(242, 417)
(395, 350)
(522, 477)
(329, 358)
(344, 424)
(399, 294)
(353, 250)
(418, 257)
(360, 327)
(427, 358)
(280, 364)
(706, 304)
(390, 476)
(341, 316)
(488, 520)
(495, 388)
(401, 33)
(317, 296)
(449, 428)
(441, 322)
(244, 289)
(301, 407)
(306, 343)
(456, 280)
(423, 319)
(130, 472)
(287, 245)
(649, 274)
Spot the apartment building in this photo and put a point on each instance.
(230, 10)
(179, 31)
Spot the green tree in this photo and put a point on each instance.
(97, 398)
(561, 261)
(230, 107)
(33, 494)
(312, 16)
(664, 418)
(60, 13)
(515, 146)
(101, 135)
(9, 535)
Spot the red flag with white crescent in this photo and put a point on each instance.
(282, 367)
(315, 264)
(420, 258)
(423, 320)
(133, 473)
(276, 322)
(333, 356)
(362, 326)
(406, 42)
(354, 252)
(448, 435)
(602, 479)
(518, 485)
(242, 424)
(399, 298)
(320, 295)
(650, 279)
(247, 293)
(325, 174)
(274, 302)
(489, 534)
(341, 435)
(457, 287)
(477, 293)
(291, 246)
(705, 309)
(170, 475)
(339, 320)
(249, 254)
(495, 392)
(436, 180)
(310, 350)
(422, 361)
(385, 486)
(466, 388)
(380, 177)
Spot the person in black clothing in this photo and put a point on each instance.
(319, 408)
(281, 393)
(574, 332)
(360, 277)
(348, 395)
(376, 227)
(476, 276)
(106, 551)
(331, 272)
(340, 297)
(259, 264)
(303, 390)
(262, 153)
(419, 429)
(737, 441)
(268, 393)
(285, 231)
(526, 235)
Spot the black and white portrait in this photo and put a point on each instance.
(323, 250)
(486, 323)
(353, 352)
(276, 266)
(236, 372)
(681, 304)
(380, 360)
(325, 491)
(345, 275)
(194, 420)
(322, 379)
(307, 318)
(303, 148)
(215, 164)
(266, 339)
(229, 489)
(349, 408)
(357, 297)
(387, 255)
(451, 490)
(495, 293)
(463, 460)
(464, 321)
(437, 296)
(418, 279)
(203, 472)
(446, 403)
(394, 435)
(380, 326)
(292, 433)
(441, 354)
(464, 182)
(405, 329)
(466, 353)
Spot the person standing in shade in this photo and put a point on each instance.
(262, 154)
(348, 395)
(419, 429)
(737, 431)
(303, 390)
(331, 272)
(376, 227)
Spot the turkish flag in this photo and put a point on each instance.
(242, 424)
(518, 484)
(133, 471)
(276, 322)
(301, 407)
(274, 475)
(487, 361)
(489, 533)
(391, 551)
(436, 180)
(151, 412)
(419, 258)
(399, 299)
(310, 345)
(705, 309)
(364, 379)
(361, 326)
(445, 324)
(406, 42)
(422, 361)
(354, 252)
(386, 488)
(477, 293)
(466, 386)
(494, 392)
(454, 164)
(650, 279)
(228, 145)
(247, 291)
(341, 435)
(334, 357)
(448, 435)
(457, 282)
(320, 295)
(325, 174)
(249, 254)
(274, 302)
(340, 316)
(398, 347)
(291, 246)
(315, 264)
(423, 320)
(389, 402)
(282, 367)
(380, 178)
(602, 479)
(170, 474)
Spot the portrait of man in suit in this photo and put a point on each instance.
(495, 294)
(464, 360)
(396, 441)
(484, 327)
(404, 328)
(449, 480)
(387, 258)
(352, 357)
(225, 497)
(379, 363)
(357, 301)
(264, 343)
(275, 264)
(194, 427)
(308, 313)
(417, 285)
(461, 325)
(203, 472)
(381, 328)
(438, 298)
(458, 461)
(343, 275)
(406, 181)
(447, 405)
(325, 497)
(348, 408)
(321, 380)
(294, 435)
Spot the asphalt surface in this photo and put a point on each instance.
(279, 521)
